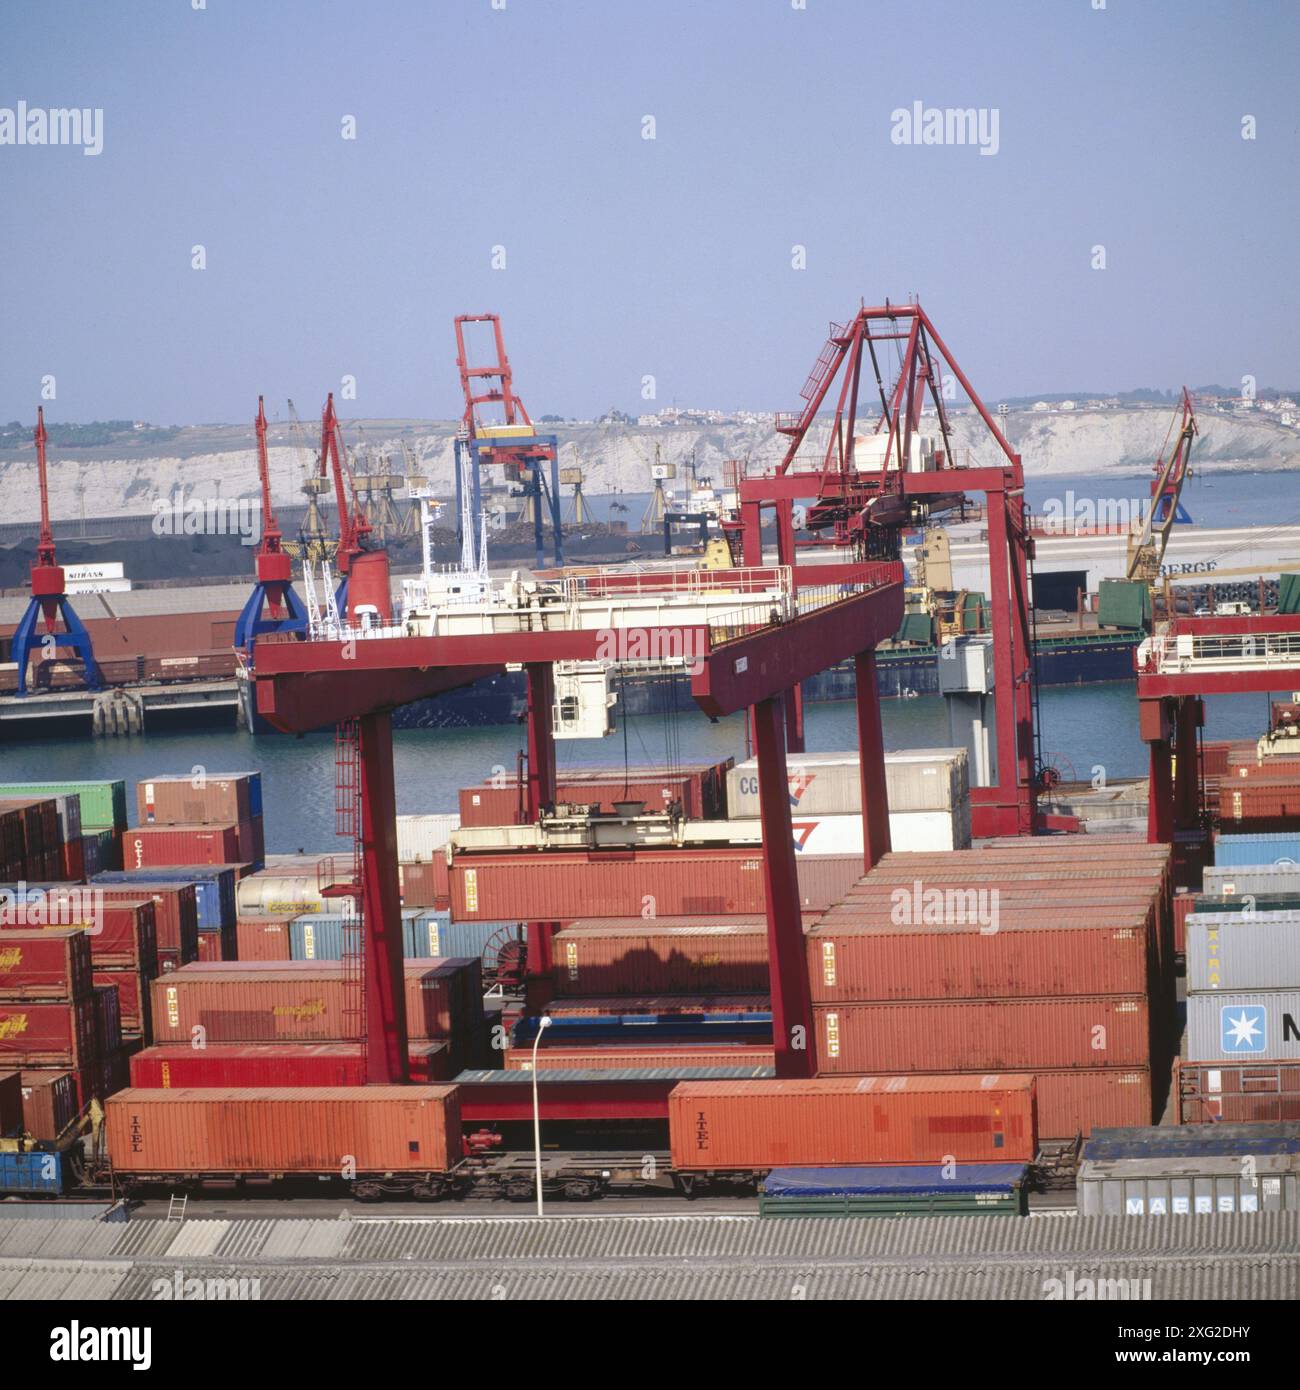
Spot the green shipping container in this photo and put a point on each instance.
(103, 804)
(1124, 603)
(1288, 593)
(916, 628)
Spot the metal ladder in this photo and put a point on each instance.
(347, 823)
(176, 1207)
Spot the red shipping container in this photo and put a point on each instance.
(74, 860)
(373, 1129)
(303, 1001)
(564, 885)
(661, 1057)
(39, 821)
(44, 965)
(252, 842)
(425, 885)
(1043, 955)
(219, 799)
(119, 933)
(154, 846)
(703, 955)
(982, 1035)
(35, 1034)
(50, 1102)
(756, 1125)
(176, 915)
(1237, 1092)
(280, 1064)
(1184, 905)
(262, 938)
(210, 946)
(11, 1104)
(133, 998)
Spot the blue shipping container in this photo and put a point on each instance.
(1194, 1141)
(38, 1173)
(429, 933)
(1278, 847)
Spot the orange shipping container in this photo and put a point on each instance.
(701, 955)
(378, 1129)
(263, 938)
(756, 1125)
(982, 1035)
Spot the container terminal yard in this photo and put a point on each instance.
(798, 986)
(825, 869)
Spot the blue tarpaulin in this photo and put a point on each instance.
(911, 1179)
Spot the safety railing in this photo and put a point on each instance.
(1174, 653)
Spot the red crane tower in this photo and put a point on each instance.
(364, 589)
(511, 443)
(274, 568)
(49, 597)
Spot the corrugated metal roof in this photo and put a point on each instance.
(686, 1256)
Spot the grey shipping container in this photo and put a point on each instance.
(1187, 1186)
(827, 784)
(1229, 950)
(1263, 881)
(1262, 1024)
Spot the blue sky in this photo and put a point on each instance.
(522, 127)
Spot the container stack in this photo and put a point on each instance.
(31, 838)
(215, 818)
(213, 888)
(1243, 997)
(422, 860)
(101, 815)
(928, 790)
(54, 1020)
(1045, 957)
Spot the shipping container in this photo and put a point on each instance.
(1262, 1024)
(119, 933)
(1235, 951)
(50, 1034)
(175, 905)
(1187, 1186)
(35, 1174)
(102, 804)
(101, 852)
(276, 1064)
(1043, 954)
(983, 1035)
(1273, 847)
(362, 1129)
(305, 1001)
(262, 938)
(425, 885)
(830, 784)
(108, 1019)
(51, 965)
(215, 798)
(50, 1103)
(420, 838)
(160, 846)
(561, 886)
(1228, 880)
(133, 998)
(1237, 1092)
(433, 933)
(757, 1125)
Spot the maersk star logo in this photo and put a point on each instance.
(1244, 1028)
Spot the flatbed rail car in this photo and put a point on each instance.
(607, 1130)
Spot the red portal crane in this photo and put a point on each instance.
(274, 568)
(49, 596)
(364, 576)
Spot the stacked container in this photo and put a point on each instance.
(1047, 957)
(928, 791)
(31, 839)
(212, 819)
(214, 899)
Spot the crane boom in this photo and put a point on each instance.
(1146, 549)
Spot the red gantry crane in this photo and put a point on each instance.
(364, 592)
(49, 599)
(274, 567)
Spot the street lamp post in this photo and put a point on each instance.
(543, 1023)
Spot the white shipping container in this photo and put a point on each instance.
(920, 779)
(419, 838)
(1232, 951)
(911, 831)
